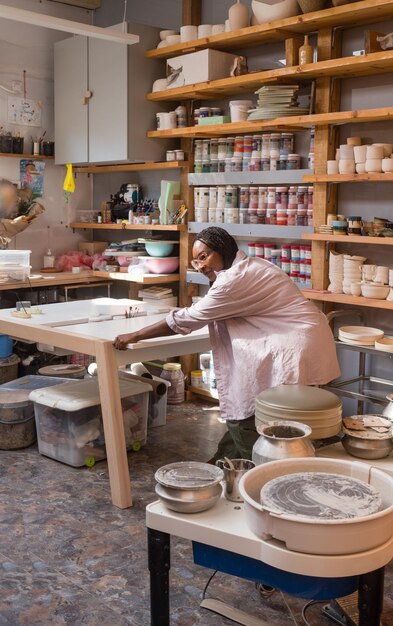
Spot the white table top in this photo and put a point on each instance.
(224, 526)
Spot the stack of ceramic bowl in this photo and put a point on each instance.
(352, 267)
(318, 408)
(158, 260)
(189, 486)
(359, 335)
(168, 38)
(336, 272)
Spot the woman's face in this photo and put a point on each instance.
(206, 260)
(8, 202)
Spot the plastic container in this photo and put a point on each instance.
(196, 378)
(69, 420)
(17, 424)
(172, 372)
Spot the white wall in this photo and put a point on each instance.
(30, 48)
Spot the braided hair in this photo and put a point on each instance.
(219, 240)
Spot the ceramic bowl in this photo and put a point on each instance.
(307, 6)
(354, 332)
(384, 345)
(158, 248)
(172, 39)
(268, 12)
(371, 290)
(161, 265)
(166, 33)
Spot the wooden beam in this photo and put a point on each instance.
(192, 12)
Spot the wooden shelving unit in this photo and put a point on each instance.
(348, 178)
(145, 279)
(162, 227)
(209, 394)
(335, 298)
(255, 231)
(377, 241)
(342, 67)
(36, 157)
(367, 11)
(287, 177)
(130, 167)
(299, 122)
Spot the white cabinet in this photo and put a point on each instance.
(111, 125)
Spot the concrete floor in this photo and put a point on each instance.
(68, 557)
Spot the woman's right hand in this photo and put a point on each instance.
(121, 342)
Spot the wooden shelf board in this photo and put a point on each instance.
(26, 156)
(204, 393)
(321, 296)
(130, 167)
(95, 226)
(379, 241)
(145, 279)
(288, 123)
(367, 11)
(343, 67)
(348, 178)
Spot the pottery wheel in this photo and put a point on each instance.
(189, 475)
(322, 496)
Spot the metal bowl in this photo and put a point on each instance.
(188, 500)
(367, 448)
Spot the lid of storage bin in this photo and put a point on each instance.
(15, 394)
(74, 396)
(9, 360)
(63, 369)
(299, 397)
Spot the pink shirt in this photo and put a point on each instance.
(263, 333)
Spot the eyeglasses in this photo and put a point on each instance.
(202, 258)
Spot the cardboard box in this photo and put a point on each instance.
(92, 247)
(200, 67)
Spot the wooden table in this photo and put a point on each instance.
(63, 326)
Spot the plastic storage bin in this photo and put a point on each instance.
(17, 425)
(69, 420)
(14, 265)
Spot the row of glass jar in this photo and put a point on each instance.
(284, 206)
(262, 146)
(288, 162)
(293, 260)
(235, 215)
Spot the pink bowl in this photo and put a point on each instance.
(124, 261)
(163, 265)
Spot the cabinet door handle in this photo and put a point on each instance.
(86, 97)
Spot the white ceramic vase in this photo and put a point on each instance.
(238, 16)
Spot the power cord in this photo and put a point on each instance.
(307, 606)
(207, 584)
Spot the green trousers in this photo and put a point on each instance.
(237, 443)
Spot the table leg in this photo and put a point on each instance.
(370, 600)
(159, 555)
(112, 417)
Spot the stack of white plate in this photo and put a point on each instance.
(318, 408)
(359, 335)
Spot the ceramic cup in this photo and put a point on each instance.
(218, 28)
(382, 274)
(390, 278)
(188, 33)
(356, 289)
(161, 120)
(204, 30)
(227, 26)
(390, 295)
(368, 272)
(332, 167)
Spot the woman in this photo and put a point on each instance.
(263, 332)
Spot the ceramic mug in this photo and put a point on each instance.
(356, 289)
(382, 274)
(160, 117)
(368, 272)
(204, 30)
(227, 26)
(390, 278)
(188, 33)
(218, 28)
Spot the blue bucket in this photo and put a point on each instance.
(6, 346)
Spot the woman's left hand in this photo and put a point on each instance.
(121, 342)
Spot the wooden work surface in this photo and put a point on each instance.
(96, 339)
(52, 280)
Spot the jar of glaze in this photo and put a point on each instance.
(172, 372)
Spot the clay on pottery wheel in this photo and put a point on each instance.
(319, 495)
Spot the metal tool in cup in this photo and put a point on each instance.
(232, 476)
